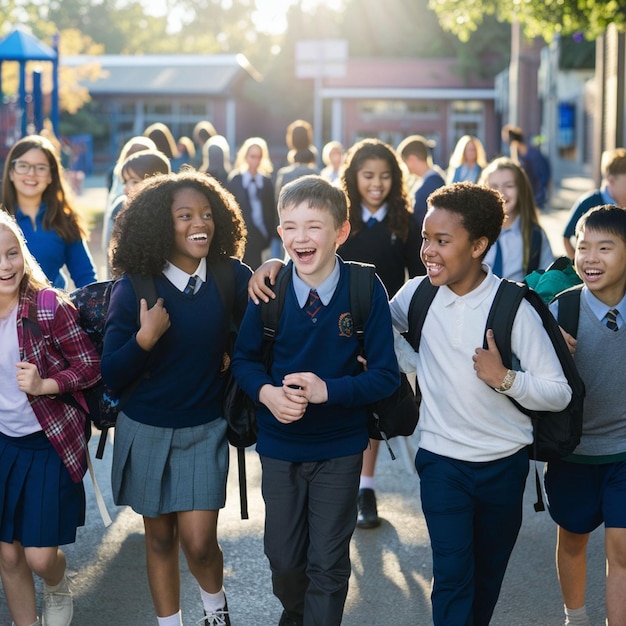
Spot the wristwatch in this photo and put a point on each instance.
(508, 381)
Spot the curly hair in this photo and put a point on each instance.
(59, 215)
(398, 205)
(481, 208)
(525, 204)
(143, 235)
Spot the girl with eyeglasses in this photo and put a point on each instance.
(33, 192)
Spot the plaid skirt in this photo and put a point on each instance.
(40, 505)
(165, 470)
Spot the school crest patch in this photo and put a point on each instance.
(346, 325)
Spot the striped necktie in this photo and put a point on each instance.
(191, 286)
(313, 305)
(611, 319)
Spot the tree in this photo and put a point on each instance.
(539, 19)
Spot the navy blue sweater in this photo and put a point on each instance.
(183, 387)
(329, 349)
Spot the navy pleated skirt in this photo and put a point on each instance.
(40, 505)
(165, 470)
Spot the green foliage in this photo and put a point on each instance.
(539, 18)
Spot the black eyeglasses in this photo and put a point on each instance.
(23, 167)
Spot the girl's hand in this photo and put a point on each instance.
(257, 287)
(29, 381)
(306, 385)
(152, 324)
(488, 363)
(284, 408)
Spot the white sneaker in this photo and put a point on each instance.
(58, 607)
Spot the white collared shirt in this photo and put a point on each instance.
(380, 215)
(179, 278)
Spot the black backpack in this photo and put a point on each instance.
(92, 303)
(391, 417)
(555, 434)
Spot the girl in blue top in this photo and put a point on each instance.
(170, 459)
(33, 191)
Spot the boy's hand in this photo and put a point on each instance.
(284, 408)
(29, 381)
(488, 363)
(152, 323)
(311, 387)
(257, 287)
(569, 340)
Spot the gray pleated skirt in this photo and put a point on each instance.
(165, 470)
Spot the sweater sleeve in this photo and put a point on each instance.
(79, 263)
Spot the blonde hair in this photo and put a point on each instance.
(458, 155)
(265, 166)
(34, 276)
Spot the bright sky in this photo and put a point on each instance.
(270, 16)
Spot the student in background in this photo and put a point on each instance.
(171, 431)
(612, 191)
(332, 157)
(42, 437)
(467, 161)
(472, 459)
(312, 411)
(137, 167)
(251, 184)
(33, 191)
(416, 153)
(588, 488)
(523, 245)
(532, 161)
(216, 159)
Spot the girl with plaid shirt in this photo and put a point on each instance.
(45, 354)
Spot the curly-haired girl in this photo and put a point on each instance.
(175, 228)
(33, 191)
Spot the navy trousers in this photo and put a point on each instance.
(473, 512)
(310, 516)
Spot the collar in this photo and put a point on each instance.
(515, 227)
(477, 296)
(179, 279)
(380, 215)
(325, 291)
(246, 177)
(599, 309)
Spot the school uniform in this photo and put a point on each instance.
(311, 467)
(391, 256)
(171, 452)
(255, 195)
(42, 440)
(472, 458)
(511, 253)
(588, 487)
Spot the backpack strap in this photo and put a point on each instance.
(534, 256)
(144, 288)
(502, 315)
(569, 309)
(224, 276)
(418, 310)
(271, 311)
(361, 290)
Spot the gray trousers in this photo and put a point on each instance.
(311, 511)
